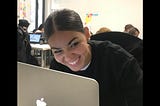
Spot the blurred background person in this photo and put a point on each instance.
(40, 29)
(132, 30)
(127, 27)
(23, 44)
(103, 29)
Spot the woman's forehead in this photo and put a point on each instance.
(64, 37)
(60, 35)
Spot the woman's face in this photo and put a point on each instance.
(71, 49)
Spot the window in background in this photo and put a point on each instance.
(32, 10)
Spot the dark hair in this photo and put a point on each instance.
(133, 31)
(23, 22)
(128, 26)
(41, 26)
(63, 20)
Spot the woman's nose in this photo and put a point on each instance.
(68, 55)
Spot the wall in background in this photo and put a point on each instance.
(114, 14)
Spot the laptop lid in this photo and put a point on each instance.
(35, 37)
(37, 85)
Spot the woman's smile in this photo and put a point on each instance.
(74, 62)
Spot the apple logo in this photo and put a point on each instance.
(41, 102)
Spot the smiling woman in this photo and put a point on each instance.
(72, 50)
(117, 71)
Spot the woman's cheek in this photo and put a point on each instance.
(58, 58)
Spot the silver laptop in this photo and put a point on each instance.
(39, 86)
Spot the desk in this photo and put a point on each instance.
(43, 48)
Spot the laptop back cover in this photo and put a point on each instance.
(37, 85)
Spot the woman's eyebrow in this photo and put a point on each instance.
(68, 43)
(72, 40)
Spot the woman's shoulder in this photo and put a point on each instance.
(105, 45)
(107, 48)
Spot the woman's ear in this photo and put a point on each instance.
(87, 33)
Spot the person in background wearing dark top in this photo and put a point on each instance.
(119, 75)
(23, 44)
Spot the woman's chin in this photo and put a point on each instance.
(75, 69)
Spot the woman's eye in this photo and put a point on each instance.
(57, 51)
(74, 44)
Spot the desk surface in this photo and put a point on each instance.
(40, 46)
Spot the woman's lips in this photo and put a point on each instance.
(74, 62)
